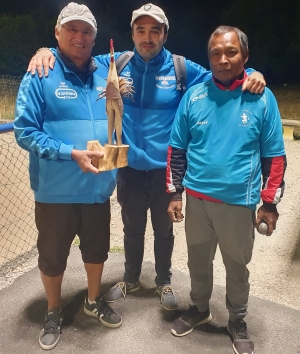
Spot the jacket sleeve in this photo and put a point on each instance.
(29, 120)
(273, 169)
(273, 157)
(178, 145)
(104, 59)
(176, 167)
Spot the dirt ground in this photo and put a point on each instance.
(275, 265)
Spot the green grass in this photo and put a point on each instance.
(76, 241)
(117, 249)
(7, 107)
(288, 98)
(114, 249)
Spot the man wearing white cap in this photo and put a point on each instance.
(55, 117)
(147, 123)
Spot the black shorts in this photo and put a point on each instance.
(57, 226)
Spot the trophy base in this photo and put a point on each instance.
(115, 156)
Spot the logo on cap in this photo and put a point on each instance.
(147, 7)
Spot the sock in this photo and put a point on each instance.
(91, 302)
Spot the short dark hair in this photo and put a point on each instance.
(226, 29)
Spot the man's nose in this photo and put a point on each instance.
(148, 36)
(79, 35)
(223, 59)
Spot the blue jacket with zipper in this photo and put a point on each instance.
(148, 118)
(53, 116)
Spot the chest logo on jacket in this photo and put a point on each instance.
(126, 73)
(200, 97)
(64, 92)
(164, 82)
(100, 88)
(245, 118)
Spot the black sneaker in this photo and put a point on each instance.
(120, 289)
(167, 297)
(241, 342)
(103, 311)
(186, 323)
(51, 329)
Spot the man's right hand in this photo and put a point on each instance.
(43, 59)
(84, 160)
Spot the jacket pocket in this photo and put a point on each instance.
(63, 177)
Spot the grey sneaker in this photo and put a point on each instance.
(101, 309)
(51, 329)
(120, 289)
(167, 297)
(241, 342)
(186, 323)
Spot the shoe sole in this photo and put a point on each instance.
(233, 346)
(110, 325)
(173, 309)
(49, 347)
(129, 291)
(168, 309)
(206, 320)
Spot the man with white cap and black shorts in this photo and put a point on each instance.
(147, 123)
(55, 117)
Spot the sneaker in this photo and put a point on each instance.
(100, 308)
(186, 323)
(167, 297)
(120, 289)
(241, 342)
(51, 329)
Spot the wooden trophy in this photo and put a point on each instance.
(115, 155)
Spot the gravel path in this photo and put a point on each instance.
(275, 266)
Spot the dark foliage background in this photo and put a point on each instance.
(272, 27)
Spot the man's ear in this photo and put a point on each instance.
(56, 33)
(246, 58)
(165, 37)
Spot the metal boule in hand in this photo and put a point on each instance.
(262, 228)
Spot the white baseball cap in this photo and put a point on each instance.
(74, 11)
(152, 11)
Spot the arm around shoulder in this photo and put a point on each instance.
(42, 61)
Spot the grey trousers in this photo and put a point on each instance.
(232, 227)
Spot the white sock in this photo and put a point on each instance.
(91, 302)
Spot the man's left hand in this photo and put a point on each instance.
(174, 211)
(269, 217)
(255, 83)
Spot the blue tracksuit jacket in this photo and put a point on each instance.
(148, 118)
(53, 116)
(226, 134)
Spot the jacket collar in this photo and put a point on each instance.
(233, 86)
(70, 66)
(158, 59)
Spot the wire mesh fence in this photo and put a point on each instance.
(17, 226)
